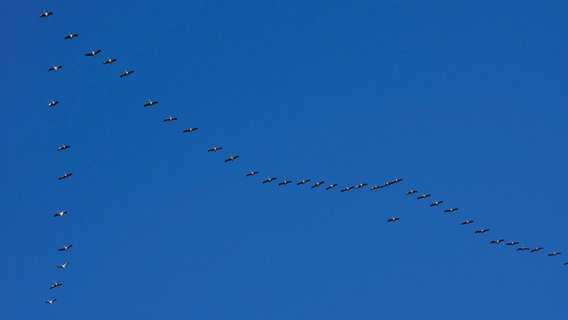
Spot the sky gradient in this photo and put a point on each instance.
(466, 101)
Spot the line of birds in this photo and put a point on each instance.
(269, 179)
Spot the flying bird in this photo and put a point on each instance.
(53, 103)
(537, 249)
(126, 73)
(269, 180)
(50, 301)
(190, 130)
(436, 203)
(393, 219)
(231, 158)
(63, 266)
(60, 213)
(55, 285)
(92, 53)
(303, 182)
(424, 196)
(467, 222)
(451, 210)
(512, 243)
(360, 185)
(411, 191)
(55, 68)
(283, 183)
(45, 14)
(65, 176)
(397, 180)
(109, 61)
(67, 247)
(481, 230)
(498, 241)
(317, 184)
(170, 118)
(331, 186)
(553, 254)
(375, 187)
(70, 36)
(347, 188)
(63, 147)
(522, 249)
(214, 149)
(252, 173)
(150, 103)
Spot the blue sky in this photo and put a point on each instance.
(464, 100)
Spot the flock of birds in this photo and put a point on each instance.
(270, 179)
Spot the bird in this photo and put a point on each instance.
(252, 173)
(331, 186)
(512, 243)
(126, 73)
(566, 263)
(553, 254)
(215, 149)
(347, 188)
(537, 249)
(55, 68)
(60, 213)
(393, 219)
(63, 147)
(451, 210)
(436, 203)
(150, 103)
(481, 230)
(467, 222)
(50, 301)
(498, 241)
(65, 176)
(190, 130)
(375, 187)
(522, 249)
(267, 180)
(231, 158)
(397, 180)
(55, 285)
(170, 118)
(411, 191)
(45, 14)
(109, 61)
(285, 182)
(424, 196)
(360, 185)
(70, 36)
(63, 266)
(65, 248)
(317, 184)
(92, 53)
(53, 103)
(303, 182)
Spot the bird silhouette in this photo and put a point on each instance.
(70, 36)
(150, 103)
(188, 130)
(268, 180)
(109, 61)
(65, 176)
(317, 184)
(231, 158)
(92, 53)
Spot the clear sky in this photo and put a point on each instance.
(465, 100)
